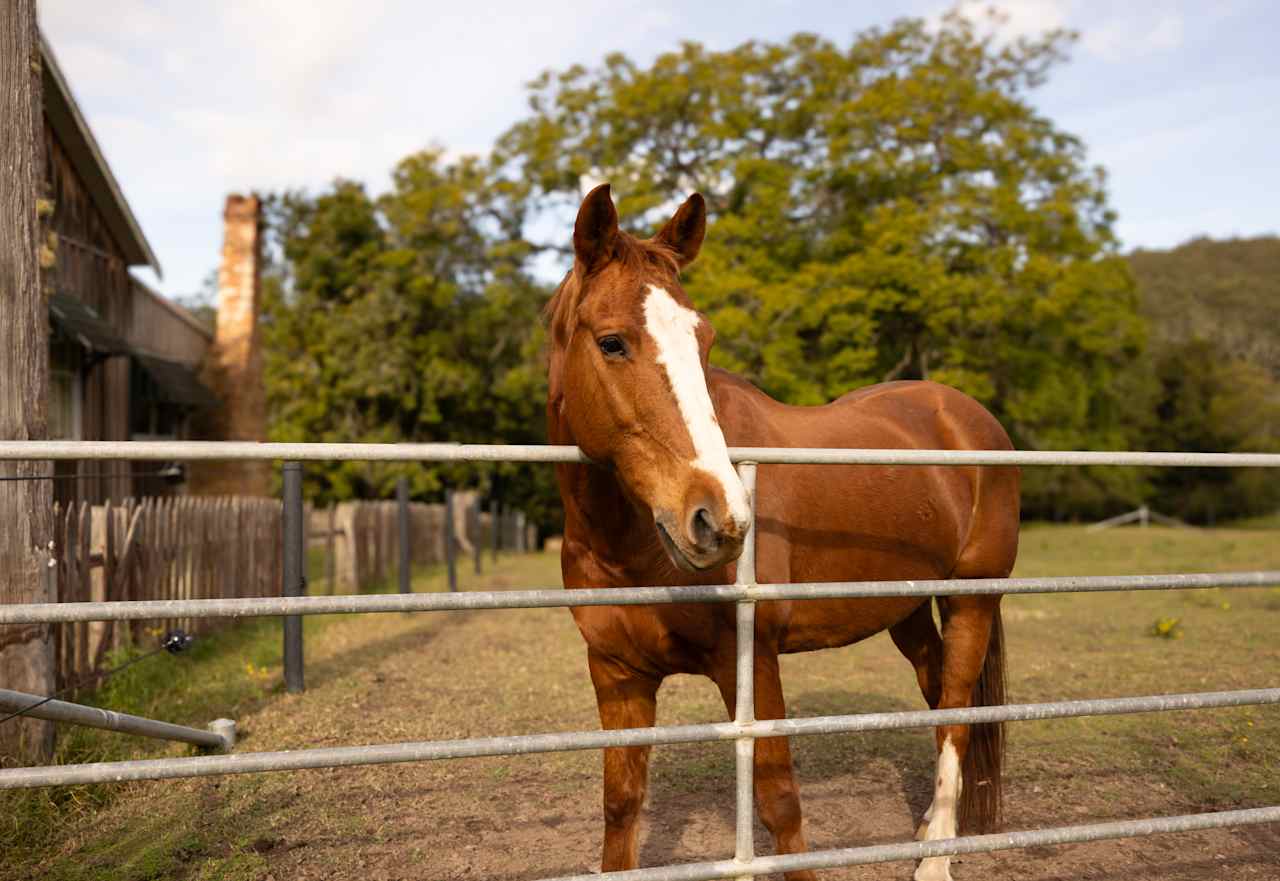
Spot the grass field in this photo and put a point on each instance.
(403, 677)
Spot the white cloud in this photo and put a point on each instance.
(1110, 31)
(190, 101)
(1133, 35)
(1011, 19)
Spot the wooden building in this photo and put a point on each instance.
(124, 362)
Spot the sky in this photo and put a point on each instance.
(190, 101)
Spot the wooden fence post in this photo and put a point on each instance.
(402, 515)
(26, 506)
(477, 541)
(450, 544)
(495, 513)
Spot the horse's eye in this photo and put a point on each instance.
(612, 346)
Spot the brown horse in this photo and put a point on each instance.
(630, 385)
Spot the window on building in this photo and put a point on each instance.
(65, 390)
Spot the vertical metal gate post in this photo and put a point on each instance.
(450, 548)
(402, 509)
(294, 545)
(745, 708)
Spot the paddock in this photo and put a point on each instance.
(743, 730)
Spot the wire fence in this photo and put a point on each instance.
(744, 729)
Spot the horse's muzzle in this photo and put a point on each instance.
(702, 541)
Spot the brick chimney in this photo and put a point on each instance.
(235, 370)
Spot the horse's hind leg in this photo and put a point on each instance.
(966, 634)
(917, 638)
(626, 700)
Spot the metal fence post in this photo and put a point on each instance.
(745, 708)
(293, 586)
(450, 548)
(402, 508)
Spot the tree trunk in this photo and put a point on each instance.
(26, 507)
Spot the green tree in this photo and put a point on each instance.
(1211, 402)
(891, 209)
(408, 317)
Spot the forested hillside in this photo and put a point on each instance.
(1214, 354)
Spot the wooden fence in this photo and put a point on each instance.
(202, 548)
(158, 549)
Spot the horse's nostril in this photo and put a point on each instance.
(702, 528)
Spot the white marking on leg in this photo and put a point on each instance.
(942, 813)
(923, 829)
(674, 330)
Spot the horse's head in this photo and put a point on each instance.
(629, 380)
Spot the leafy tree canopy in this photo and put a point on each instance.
(1215, 361)
(409, 317)
(891, 209)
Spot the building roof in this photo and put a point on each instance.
(69, 125)
(175, 382)
(79, 322)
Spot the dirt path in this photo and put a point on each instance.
(392, 678)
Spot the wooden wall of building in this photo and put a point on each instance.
(158, 328)
(89, 267)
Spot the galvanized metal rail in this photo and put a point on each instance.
(249, 607)
(915, 850)
(221, 733)
(744, 729)
(193, 451)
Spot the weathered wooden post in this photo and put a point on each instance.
(450, 546)
(477, 543)
(330, 545)
(495, 511)
(294, 545)
(26, 506)
(402, 510)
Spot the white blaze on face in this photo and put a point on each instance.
(674, 329)
(942, 813)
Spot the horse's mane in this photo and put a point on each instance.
(561, 310)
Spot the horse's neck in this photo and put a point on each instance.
(601, 520)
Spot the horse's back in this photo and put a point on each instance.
(873, 522)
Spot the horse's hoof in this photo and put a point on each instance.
(934, 869)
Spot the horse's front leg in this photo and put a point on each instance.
(777, 798)
(626, 700)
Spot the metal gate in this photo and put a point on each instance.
(745, 593)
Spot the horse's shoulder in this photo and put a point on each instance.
(740, 407)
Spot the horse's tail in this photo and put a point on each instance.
(983, 788)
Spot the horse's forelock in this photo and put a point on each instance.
(561, 310)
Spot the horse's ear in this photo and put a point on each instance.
(596, 229)
(684, 231)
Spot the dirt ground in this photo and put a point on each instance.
(390, 678)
